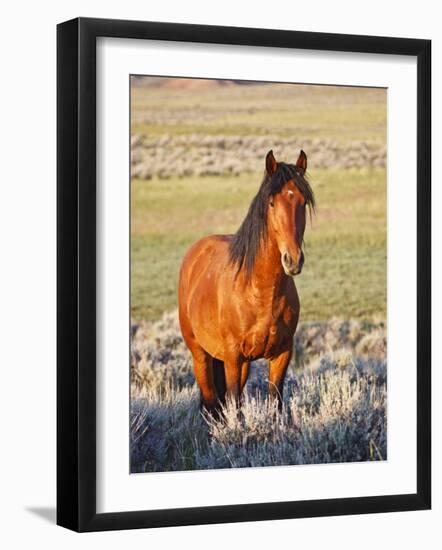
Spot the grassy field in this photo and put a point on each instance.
(331, 112)
(345, 270)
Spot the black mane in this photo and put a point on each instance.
(246, 242)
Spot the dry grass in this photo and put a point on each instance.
(334, 403)
(339, 113)
(168, 156)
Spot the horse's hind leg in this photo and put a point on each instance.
(220, 379)
(202, 364)
(203, 370)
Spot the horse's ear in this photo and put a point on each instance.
(302, 161)
(270, 163)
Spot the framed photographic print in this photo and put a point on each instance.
(243, 274)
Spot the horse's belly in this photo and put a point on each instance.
(209, 340)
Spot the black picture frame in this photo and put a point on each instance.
(76, 273)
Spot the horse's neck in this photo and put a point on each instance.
(268, 276)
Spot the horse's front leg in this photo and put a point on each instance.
(236, 376)
(277, 370)
(245, 367)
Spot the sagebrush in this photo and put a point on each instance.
(335, 398)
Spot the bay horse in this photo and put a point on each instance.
(237, 298)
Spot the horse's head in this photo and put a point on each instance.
(277, 213)
(289, 196)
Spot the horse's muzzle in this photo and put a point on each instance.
(291, 267)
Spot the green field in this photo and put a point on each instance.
(345, 270)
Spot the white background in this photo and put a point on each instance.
(27, 218)
(116, 490)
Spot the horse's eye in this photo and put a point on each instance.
(271, 204)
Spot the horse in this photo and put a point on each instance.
(237, 298)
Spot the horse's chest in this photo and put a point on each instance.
(266, 341)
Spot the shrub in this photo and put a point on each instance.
(334, 403)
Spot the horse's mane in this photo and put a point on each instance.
(246, 242)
